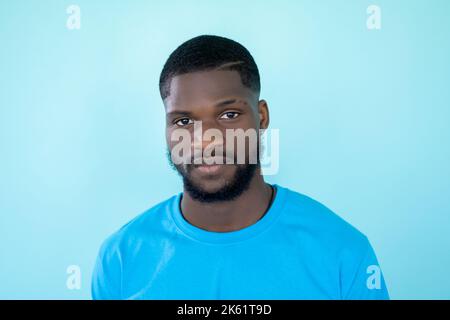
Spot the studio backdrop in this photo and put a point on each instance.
(359, 91)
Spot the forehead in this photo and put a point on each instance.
(205, 88)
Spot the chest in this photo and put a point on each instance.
(189, 271)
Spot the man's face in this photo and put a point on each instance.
(218, 100)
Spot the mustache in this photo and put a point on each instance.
(210, 160)
(190, 161)
(197, 158)
(222, 158)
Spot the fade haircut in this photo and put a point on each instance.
(209, 52)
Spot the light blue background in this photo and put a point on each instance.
(363, 118)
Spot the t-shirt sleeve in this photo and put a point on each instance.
(106, 277)
(362, 278)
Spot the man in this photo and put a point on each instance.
(230, 235)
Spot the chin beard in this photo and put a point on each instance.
(231, 190)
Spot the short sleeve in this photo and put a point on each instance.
(106, 277)
(363, 278)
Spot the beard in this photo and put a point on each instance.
(231, 189)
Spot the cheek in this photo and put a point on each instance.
(169, 142)
(168, 135)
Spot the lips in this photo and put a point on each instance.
(208, 169)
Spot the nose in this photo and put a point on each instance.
(207, 136)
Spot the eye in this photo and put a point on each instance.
(184, 122)
(229, 115)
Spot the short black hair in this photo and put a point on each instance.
(208, 52)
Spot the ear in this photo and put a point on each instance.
(263, 111)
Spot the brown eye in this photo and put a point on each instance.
(183, 122)
(229, 115)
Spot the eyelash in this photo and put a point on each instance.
(221, 117)
(234, 112)
(182, 125)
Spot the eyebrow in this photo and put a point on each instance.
(220, 104)
(225, 103)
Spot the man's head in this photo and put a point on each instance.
(213, 81)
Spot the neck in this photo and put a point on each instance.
(226, 216)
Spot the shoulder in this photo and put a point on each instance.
(304, 213)
(145, 224)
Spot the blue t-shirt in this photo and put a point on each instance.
(299, 249)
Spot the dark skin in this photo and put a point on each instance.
(220, 100)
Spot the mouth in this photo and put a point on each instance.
(209, 168)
